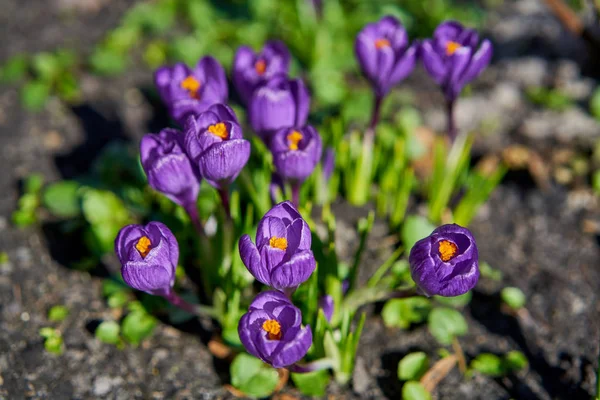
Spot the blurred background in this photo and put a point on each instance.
(76, 95)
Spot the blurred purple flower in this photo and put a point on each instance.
(187, 91)
(279, 103)
(272, 330)
(168, 167)
(250, 69)
(326, 304)
(446, 263)
(281, 257)
(384, 54)
(296, 152)
(328, 163)
(149, 256)
(453, 57)
(214, 143)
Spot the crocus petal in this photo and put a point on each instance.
(251, 259)
(284, 211)
(326, 304)
(302, 101)
(366, 53)
(223, 162)
(269, 227)
(126, 239)
(404, 66)
(294, 272)
(294, 350)
(263, 299)
(479, 62)
(271, 257)
(433, 63)
(298, 234)
(214, 75)
(458, 64)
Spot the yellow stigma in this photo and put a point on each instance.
(294, 138)
(219, 130)
(143, 246)
(447, 250)
(273, 328)
(382, 43)
(278, 243)
(192, 85)
(260, 66)
(451, 47)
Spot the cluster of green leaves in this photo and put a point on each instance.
(552, 99)
(53, 340)
(497, 366)
(29, 202)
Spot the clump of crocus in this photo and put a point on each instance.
(214, 143)
(453, 59)
(296, 153)
(385, 57)
(279, 103)
(281, 258)
(445, 263)
(149, 256)
(272, 330)
(168, 167)
(187, 91)
(250, 69)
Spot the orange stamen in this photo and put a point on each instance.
(294, 138)
(192, 85)
(382, 43)
(219, 130)
(452, 47)
(143, 246)
(260, 66)
(447, 250)
(273, 329)
(278, 243)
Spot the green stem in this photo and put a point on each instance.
(323, 363)
(383, 268)
(196, 309)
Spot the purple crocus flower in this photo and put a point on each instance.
(168, 167)
(281, 257)
(148, 256)
(214, 143)
(452, 57)
(186, 91)
(384, 54)
(328, 163)
(326, 304)
(279, 103)
(445, 263)
(272, 330)
(251, 69)
(296, 152)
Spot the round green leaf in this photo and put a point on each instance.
(445, 324)
(489, 364)
(457, 301)
(312, 383)
(414, 229)
(34, 95)
(61, 199)
(58, 313)
(513, 297)
(404, 312)
(108, 332)
(252, 376)
(413, 366)
(137, 326)
(413, 390)
(515, 361)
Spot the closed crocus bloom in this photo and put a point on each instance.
(445, 263)
(453, 57)
(214, 143)
(168, 167)
(281, 257)
(384, 54)
(149, 256)
(186, 91)
(272, 330)
(251, 69)
(326, 304)
(296, 152)
(279, 103)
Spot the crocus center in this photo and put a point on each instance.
(293, 139)
(260, 67)
(219, 130)
(143, 245)
(451, 47)
(273, 329)
(447, 250)
(192, 85)
(382, 43)
(278, 243)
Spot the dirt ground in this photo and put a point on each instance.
(535, 237)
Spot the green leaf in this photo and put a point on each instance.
(404, 312)
(489, 364)
(137, 326)
(54, 344)
(105, 61)
(47, 332)
(445, 324)
(14, 69)
(252, 376)
(414, 229)
(34, 95)
(457, 301)
(4, 257)
(513, 297)
(58, 313)
(413, 390)
(312, 383)
(112, 286)
(62, 200)
(34, 183)
(46, 66)
(488, 272)
(413, 366)
(515, 361)
(118, 299)
(103, 207)
(108, 332)
(595, 104)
